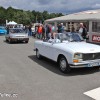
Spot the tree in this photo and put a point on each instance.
(25, 17)
(2, 15)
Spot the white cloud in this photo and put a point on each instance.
(96, 6)
(63, 6)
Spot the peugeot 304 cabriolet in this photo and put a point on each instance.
(69, 50)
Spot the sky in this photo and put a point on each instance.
(52, 6)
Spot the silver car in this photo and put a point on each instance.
(17, 34)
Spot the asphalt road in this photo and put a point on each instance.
(24, 77)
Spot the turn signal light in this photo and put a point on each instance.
(75, 60)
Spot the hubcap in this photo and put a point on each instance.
(38, 55)
(63, 64)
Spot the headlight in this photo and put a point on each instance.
(77, 57)
(12, 36)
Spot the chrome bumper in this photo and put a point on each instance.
(92, 63)
(79, 66)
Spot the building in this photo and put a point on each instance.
(91, 18)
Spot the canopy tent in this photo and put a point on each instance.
(80, 16)
(90, 18)
(11, 23)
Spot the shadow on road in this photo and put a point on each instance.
(19, 42)
(52, 66)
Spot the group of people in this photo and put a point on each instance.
(48, 31)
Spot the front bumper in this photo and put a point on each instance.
(91, 63)
(19, 39)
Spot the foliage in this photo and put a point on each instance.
(25, 17)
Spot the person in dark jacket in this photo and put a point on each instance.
(48, 30)
(84, 33)
(30, 30)
(7, 28)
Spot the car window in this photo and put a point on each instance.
(17, 31)
(61, 36)
(71, 37)
(74, 37)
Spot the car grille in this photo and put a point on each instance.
(91, 56)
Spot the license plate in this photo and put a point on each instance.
(20, 39)
(94, 64)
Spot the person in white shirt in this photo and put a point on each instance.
(81, 28)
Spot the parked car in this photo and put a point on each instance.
(17, 34)
(3, 30)
(69, 51)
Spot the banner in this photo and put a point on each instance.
(96, 38)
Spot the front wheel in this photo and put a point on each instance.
(26, 41)
(63, 65)
(6, 40)
(9, 40)
(38, 54)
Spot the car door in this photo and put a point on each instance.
(49, 50)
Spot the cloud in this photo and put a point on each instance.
(57, 6)
(44, 2)
(96, 6)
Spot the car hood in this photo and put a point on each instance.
(81, 47)
(18, 34)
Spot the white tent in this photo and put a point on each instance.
(80, 16)
(11, 23)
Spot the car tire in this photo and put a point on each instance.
(26, 41)
(38, 54)
(63, 65)
(6, 40)
(97, 67)
(9, 40)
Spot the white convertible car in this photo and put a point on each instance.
(69, 50)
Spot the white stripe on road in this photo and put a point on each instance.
(95, 93)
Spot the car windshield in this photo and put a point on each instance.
(72, 37)
(17, 31)
(75, 37)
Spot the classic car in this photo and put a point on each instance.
(17, 34)
(3, 30)
(69, 50)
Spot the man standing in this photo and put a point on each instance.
(60, 28)
(83, 30)
(48, 30)
(30, 30)
(40, 31)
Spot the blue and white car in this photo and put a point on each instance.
(69, 51)
(3, 30)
